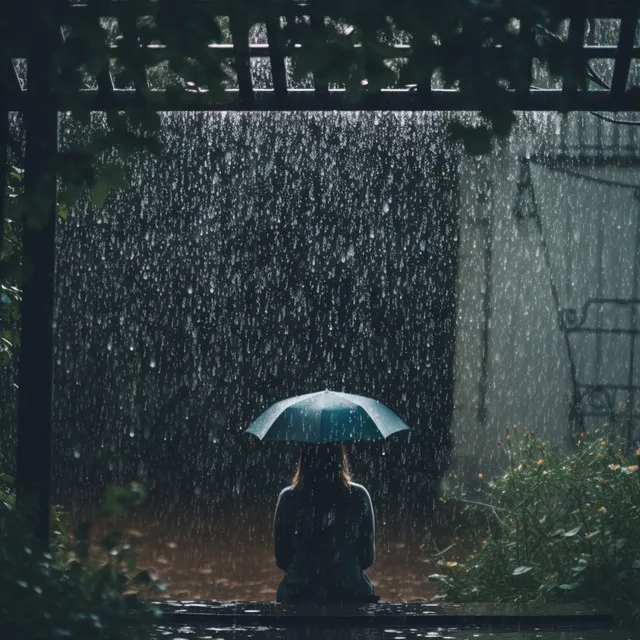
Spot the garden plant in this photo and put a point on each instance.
(556, 526)
(73, 590)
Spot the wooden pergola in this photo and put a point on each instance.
(40, 104)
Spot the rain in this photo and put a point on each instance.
(263, 256)
(267, 255)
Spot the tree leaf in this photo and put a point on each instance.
(99, 191)
(572, 532)
(114, 175)
(518, 571)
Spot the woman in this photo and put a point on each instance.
(324, 531)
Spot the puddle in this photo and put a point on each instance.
(272, 633)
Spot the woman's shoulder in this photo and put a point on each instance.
(360, 491)
(286, 493)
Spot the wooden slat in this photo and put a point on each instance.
(104, 79)
(276, 55)
(10, 80)
(625, 49)
(369, 36)
(317, 24)
(574, 51)
(105, 82)
(527, 37)
(597, 9)
(307, 100)
(4, 168)
(129, 30)
(157, 51)
(240, 38)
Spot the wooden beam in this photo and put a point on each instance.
(563, 8)
(317, 25)
(527, 38)
(35, 376)
(576, 63)
(4, 167)
(276, 55)
(240, 38)
(155, 52)
(306, 100)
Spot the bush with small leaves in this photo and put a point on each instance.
(70, 592)
(555, 526)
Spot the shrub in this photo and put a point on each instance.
(555, 526)
(70, 592)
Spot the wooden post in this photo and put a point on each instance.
(36, 353)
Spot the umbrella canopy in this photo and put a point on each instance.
(326, 416)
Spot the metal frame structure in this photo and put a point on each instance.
(40, 103)
(590, 398)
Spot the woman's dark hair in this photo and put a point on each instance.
(322, 464)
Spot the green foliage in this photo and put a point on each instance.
(72, 592)
(554, 526)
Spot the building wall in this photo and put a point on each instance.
(589, 221)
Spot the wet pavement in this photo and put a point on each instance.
(271, 633)
(231, 558)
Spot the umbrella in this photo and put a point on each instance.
(326, 416)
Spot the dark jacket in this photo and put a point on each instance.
(324, 540)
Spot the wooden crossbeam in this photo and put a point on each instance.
(337, 100)
(155, 52)
(608, 9)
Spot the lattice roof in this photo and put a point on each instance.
(260, 55)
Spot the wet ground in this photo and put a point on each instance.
(269, 633)
(231, 558)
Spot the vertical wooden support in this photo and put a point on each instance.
(276, 55)
(9, 84)
(240, 38)
(576, 63)
(625, 50)
(317, 25)
(528, 40)
(4, 141)
(35, 394)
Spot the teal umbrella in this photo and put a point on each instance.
(326, 416)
